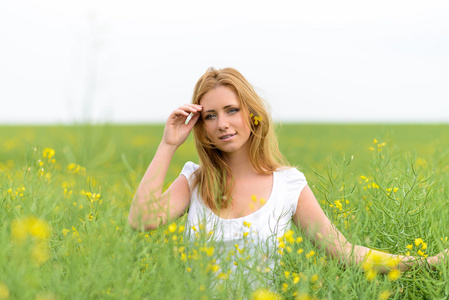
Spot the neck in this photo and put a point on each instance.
(239, 163)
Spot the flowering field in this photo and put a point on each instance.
(65, 193)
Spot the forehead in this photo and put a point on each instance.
(219, 97)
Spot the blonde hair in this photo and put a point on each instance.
(213, 174)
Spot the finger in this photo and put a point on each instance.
(190, 108)
(179, 112)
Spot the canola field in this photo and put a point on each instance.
(65, 193)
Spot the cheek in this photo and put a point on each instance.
(207, 129)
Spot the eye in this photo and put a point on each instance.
(233, 110)
(209, 116)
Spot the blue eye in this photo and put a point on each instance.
(233, 110)
(209, 117)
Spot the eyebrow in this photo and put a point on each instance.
(212, 110)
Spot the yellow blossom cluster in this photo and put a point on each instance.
(376, 259)
(18, 192)
(379, 146)
(76, 169)
(38, 231)
(75, 234)
(48, 153)
(254, 204)
(26, 227)
(256, 119)
(369, 184)
(92, 197)
(389, 190)
(46, 162)
(384, 295)
(419, 246)
(287, 241)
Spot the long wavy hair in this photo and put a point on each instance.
(214, 177)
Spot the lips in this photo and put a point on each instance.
(227, 136)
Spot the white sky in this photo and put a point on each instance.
(135, 61)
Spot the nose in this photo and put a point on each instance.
(223, 123)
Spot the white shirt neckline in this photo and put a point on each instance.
(270, 199)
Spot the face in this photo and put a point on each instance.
(224, 120)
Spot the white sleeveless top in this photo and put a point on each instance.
(270, 221)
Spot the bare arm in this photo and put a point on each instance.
(311, 218)
(150, 206)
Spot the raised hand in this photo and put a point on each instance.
(176, 131)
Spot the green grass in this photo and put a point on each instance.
(90, 252)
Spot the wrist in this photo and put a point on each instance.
(168, 147)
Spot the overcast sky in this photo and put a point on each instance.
(135, 61)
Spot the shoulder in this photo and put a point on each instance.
(291, 175)
(292, 182)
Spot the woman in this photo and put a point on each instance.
(239, 158)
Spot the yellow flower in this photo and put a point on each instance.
(295, 279)
(375, 258)
(310, 254)
(288, 235)
(314, 278)
(375, 141)
(49, 153)
(65, 231)
(409, 246)
(245, 234)
(181, 228)
(247, 224)
(210, 251)
(300, 251)
(30, 227)
(4, 291)
(418, 242)
(215, 268)
(76, 169)
(284, 287)
(298, 239)
(394, 274)
(223, 276)
(384, 295)
(393, 262)
(423, 246)
(370, 275)
(422, 253)
(189, 269)
(265, 294)
(172, 227)
(286, 274)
